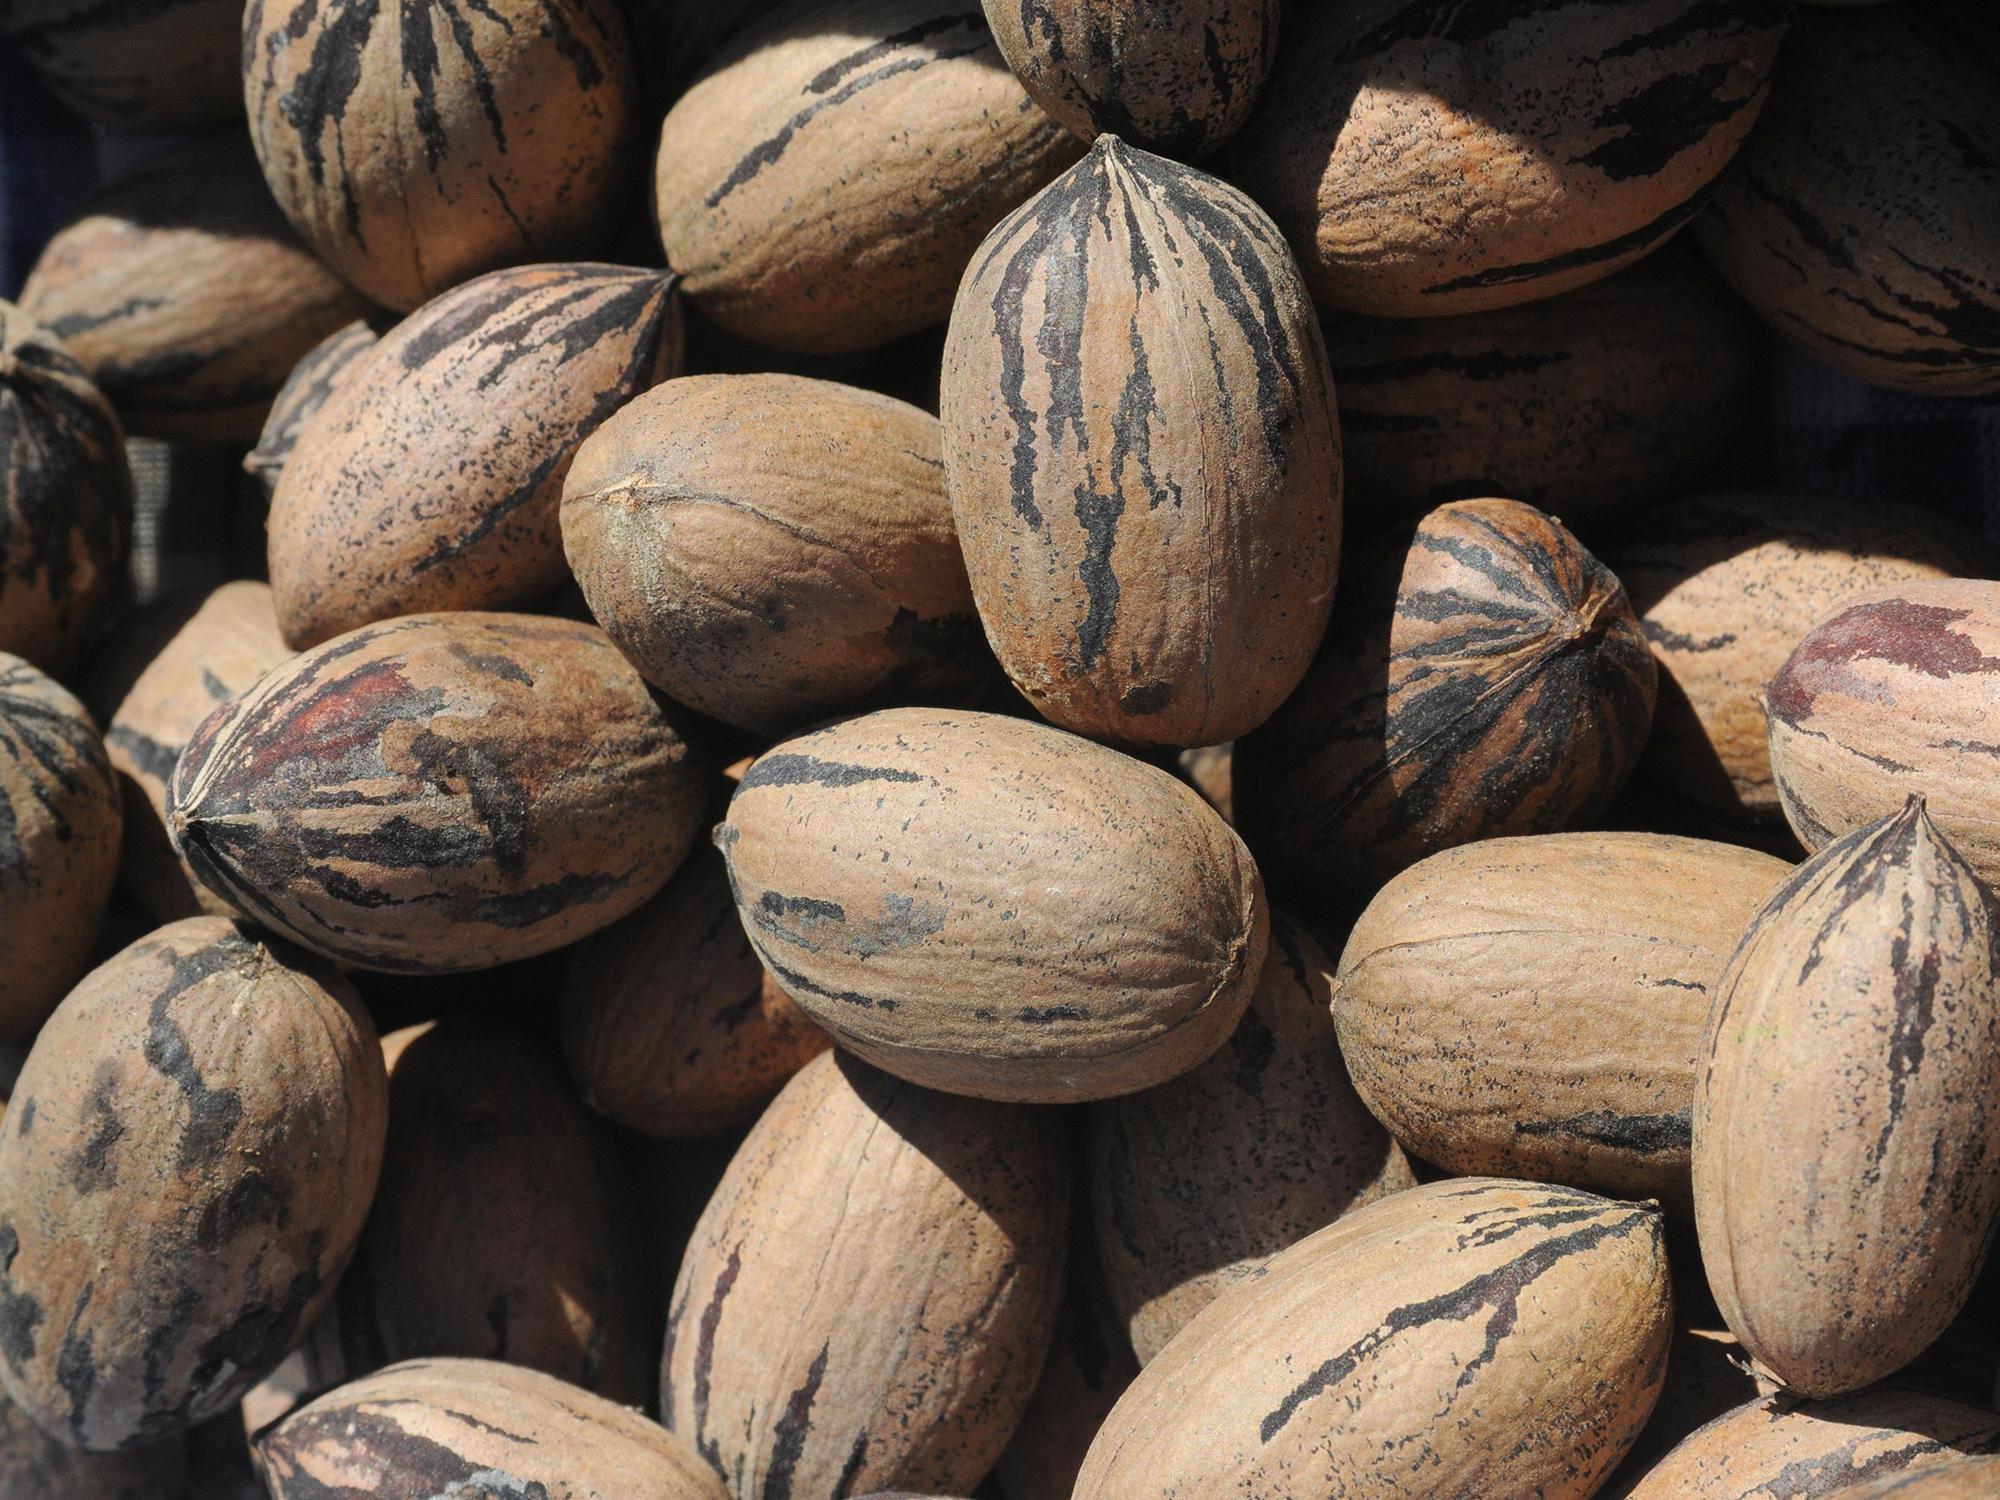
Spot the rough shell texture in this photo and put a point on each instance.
(1708, 1375)
(1501, 1338)
(472, 1427)
(1594, 405)
(1150, 510)
(1178, 79)
(1846, 1148)
(305, 391)
(518, 788)
(1862, 219)
(223, 647)
(1535, 1006)
(1782, 1448)
(183, 1174)
(65, 497)
(1427, 157)
(671, 1025)
(1725, 586)
(992, 907)
(59, 823)
(432, 477)
(1486, 676)
(771, 550)
(1197, 1182)
(35, 1466)
(869, 1295)
(1894, 694)
(139, 65)
(1964, 1479)
(823, 184)
(185, 295)
(416, 148)
(502, 1228)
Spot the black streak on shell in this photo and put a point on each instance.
(313, 379)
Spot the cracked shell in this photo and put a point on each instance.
(1150, 510)
(439, 793)
(1504, 1338)
(989, 906)
(870, 1294)
(185, 1166)
(1846, 1147)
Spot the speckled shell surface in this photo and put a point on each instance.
(65, 497)
(502, 1226)
(143, 64)
(1595, 405)
(185, 295)
(1195, 1183)
(1784, 1448)
(59, 826)
(1503, 1338)
(432, 477)
(1708, 1375)
(1178, 79)
(1725, 586)
(417, 148)
(671, 1024)
(770, 549)
(1964, 1479)
(992, 907)
(1433, 156)
(1895, 693)
(1483, 676)
(225, 645)
(1142, 453)
(440, 793)
(184, 1170)
(869, 1296)
(1846, 1148)
(1535, 1006)
(304, 392)
(1862, 220)
(436, 1427)
(824, 182)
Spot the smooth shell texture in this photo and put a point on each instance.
(416, 148)
(35, 1466)
(1862, 219)
(1178, 79)
(1725, 586)
(1898, 693)
(992, 907)
(432, 477)
(185, 295)
(1535, 1006)
(225, 645)
(1151, 509)
(65, 497)
(824, 183)
(771, 550)
(1498, 1338)
(1197, 1182)
(1428, 157)
(1484, 677)
(1594, 405)
(1846, 1143)
(305, 391)
(440, 793)
(141, 64)
(671, 1025)
(1782, 1448)
(431, 1428)
(869, 1295)
(502, 1227)
(59, 825)
(183, 1174)
(1966, 1479)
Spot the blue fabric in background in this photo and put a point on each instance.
(48, 166)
